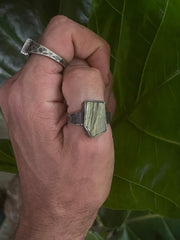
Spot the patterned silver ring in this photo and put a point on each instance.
(30, 46)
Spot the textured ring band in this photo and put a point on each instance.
(30, 46)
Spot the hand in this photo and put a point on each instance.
(65, 175)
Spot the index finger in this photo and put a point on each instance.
(72, 40)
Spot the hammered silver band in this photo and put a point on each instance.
(30, 46)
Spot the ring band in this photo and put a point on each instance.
(30, 46)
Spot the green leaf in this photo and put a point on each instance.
(112, 218)
(145, 42)
(44, 9)
(77, 10)
(149, 227)
(18, 21)
(93, 236)
(3, 127)
(7, 158)
(140, 225)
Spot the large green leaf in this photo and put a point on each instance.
(18, 21)
(3, 127)
(139, 225)
(7, 159)
(145, 42)
(93, 236)
(148, 227)
(77, 10)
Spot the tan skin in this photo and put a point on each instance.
(65, 175)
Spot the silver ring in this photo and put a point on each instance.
(93, 117)
(30, 46)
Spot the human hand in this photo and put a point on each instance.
(65, 175)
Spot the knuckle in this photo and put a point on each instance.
(59, 19)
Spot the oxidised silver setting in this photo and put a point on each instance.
(30, 46)
(93, 117)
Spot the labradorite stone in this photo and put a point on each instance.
(94, 117)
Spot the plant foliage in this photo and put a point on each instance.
(145, 44)
(136, 225)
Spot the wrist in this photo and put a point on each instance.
(31, 232)
(46, 227)
(28, 233)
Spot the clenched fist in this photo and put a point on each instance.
(65, 175)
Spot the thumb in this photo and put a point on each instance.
(80, 83)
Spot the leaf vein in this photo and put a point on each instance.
(150, 51)
(133, 233)
(152, 91)
(152, 134)
(147, 188)
(6, 155)
(122, 22)
(132, 192)
(168, 229)
(115, 9)
(142, 218)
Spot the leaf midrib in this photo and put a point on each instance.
(111, 5)
(138, 99)
(152, 134)
(148, 189)
(142, 218)
(150, 51)
(126, 115)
